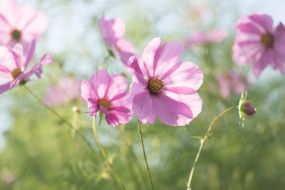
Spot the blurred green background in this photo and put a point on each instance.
(39, 152)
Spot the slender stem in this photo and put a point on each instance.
(72, 127)
(144, 154)
(202, 143)
(60, 118)
(104, 155)
(48, 107)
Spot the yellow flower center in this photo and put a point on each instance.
(105, 103)
(16, 72)
(16, 35)
(155, 86)
(267, 40)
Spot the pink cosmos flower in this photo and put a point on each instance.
(259, 43)
(232, 83)
(20, 23)
(14, 64)
(66, 90)
(113, 34)
(108, 95)
(164, 87)
(204, 38)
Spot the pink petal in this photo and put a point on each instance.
(193, 101)
(5, 73)
(149, 53)
(166, 58)
(38, 68)
(87, 93)
(7, 86)
(101, 81)
(30, 52)
(139, 69)
(7, 58)
(86, 90)
(180, 90)
(172, 112)
(186, 75)
(118, 85)
(265, 59)
(8, 10)
(143, 107)
(263, 20)
(118, 115)
(34, 24)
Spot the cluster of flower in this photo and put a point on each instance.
(163, 86)
(20, 28)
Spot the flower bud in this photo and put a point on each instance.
(247, 108)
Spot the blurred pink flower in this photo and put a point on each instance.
(232, 83)
(108, 95)
(20, 23)
(14, 65)
(204, 38)
(260, 44)
(113, 34)
(66, 90)
(165, 87)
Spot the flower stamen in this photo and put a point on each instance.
(104, 103)
(16, 72)
(16, 35)
(267, 40)
(155, 86)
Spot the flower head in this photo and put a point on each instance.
(113, 34)
(164, 87)
(20, 23)
(66, 90)
(14, 62)
(259, 43)
(107, 94)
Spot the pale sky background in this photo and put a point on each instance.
(74, 20)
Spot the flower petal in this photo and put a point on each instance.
(7, 86)
(166, 58)
(186, 75)
(118, 85)
(172, 112)
(143, 107)
(101, 81)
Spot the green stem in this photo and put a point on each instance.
(72, 127)
(104, 155)
(144, 154)
(60, 118)
(202, 143)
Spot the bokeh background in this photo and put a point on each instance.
(39, 152)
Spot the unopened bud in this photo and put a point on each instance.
(247, 108)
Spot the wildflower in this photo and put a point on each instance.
(259, 43)
(20, 23)
(14, 64)
(164, 87)
(108, 95)
(113, 34)
(205, 38)
(231, 83)
(66, 90)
